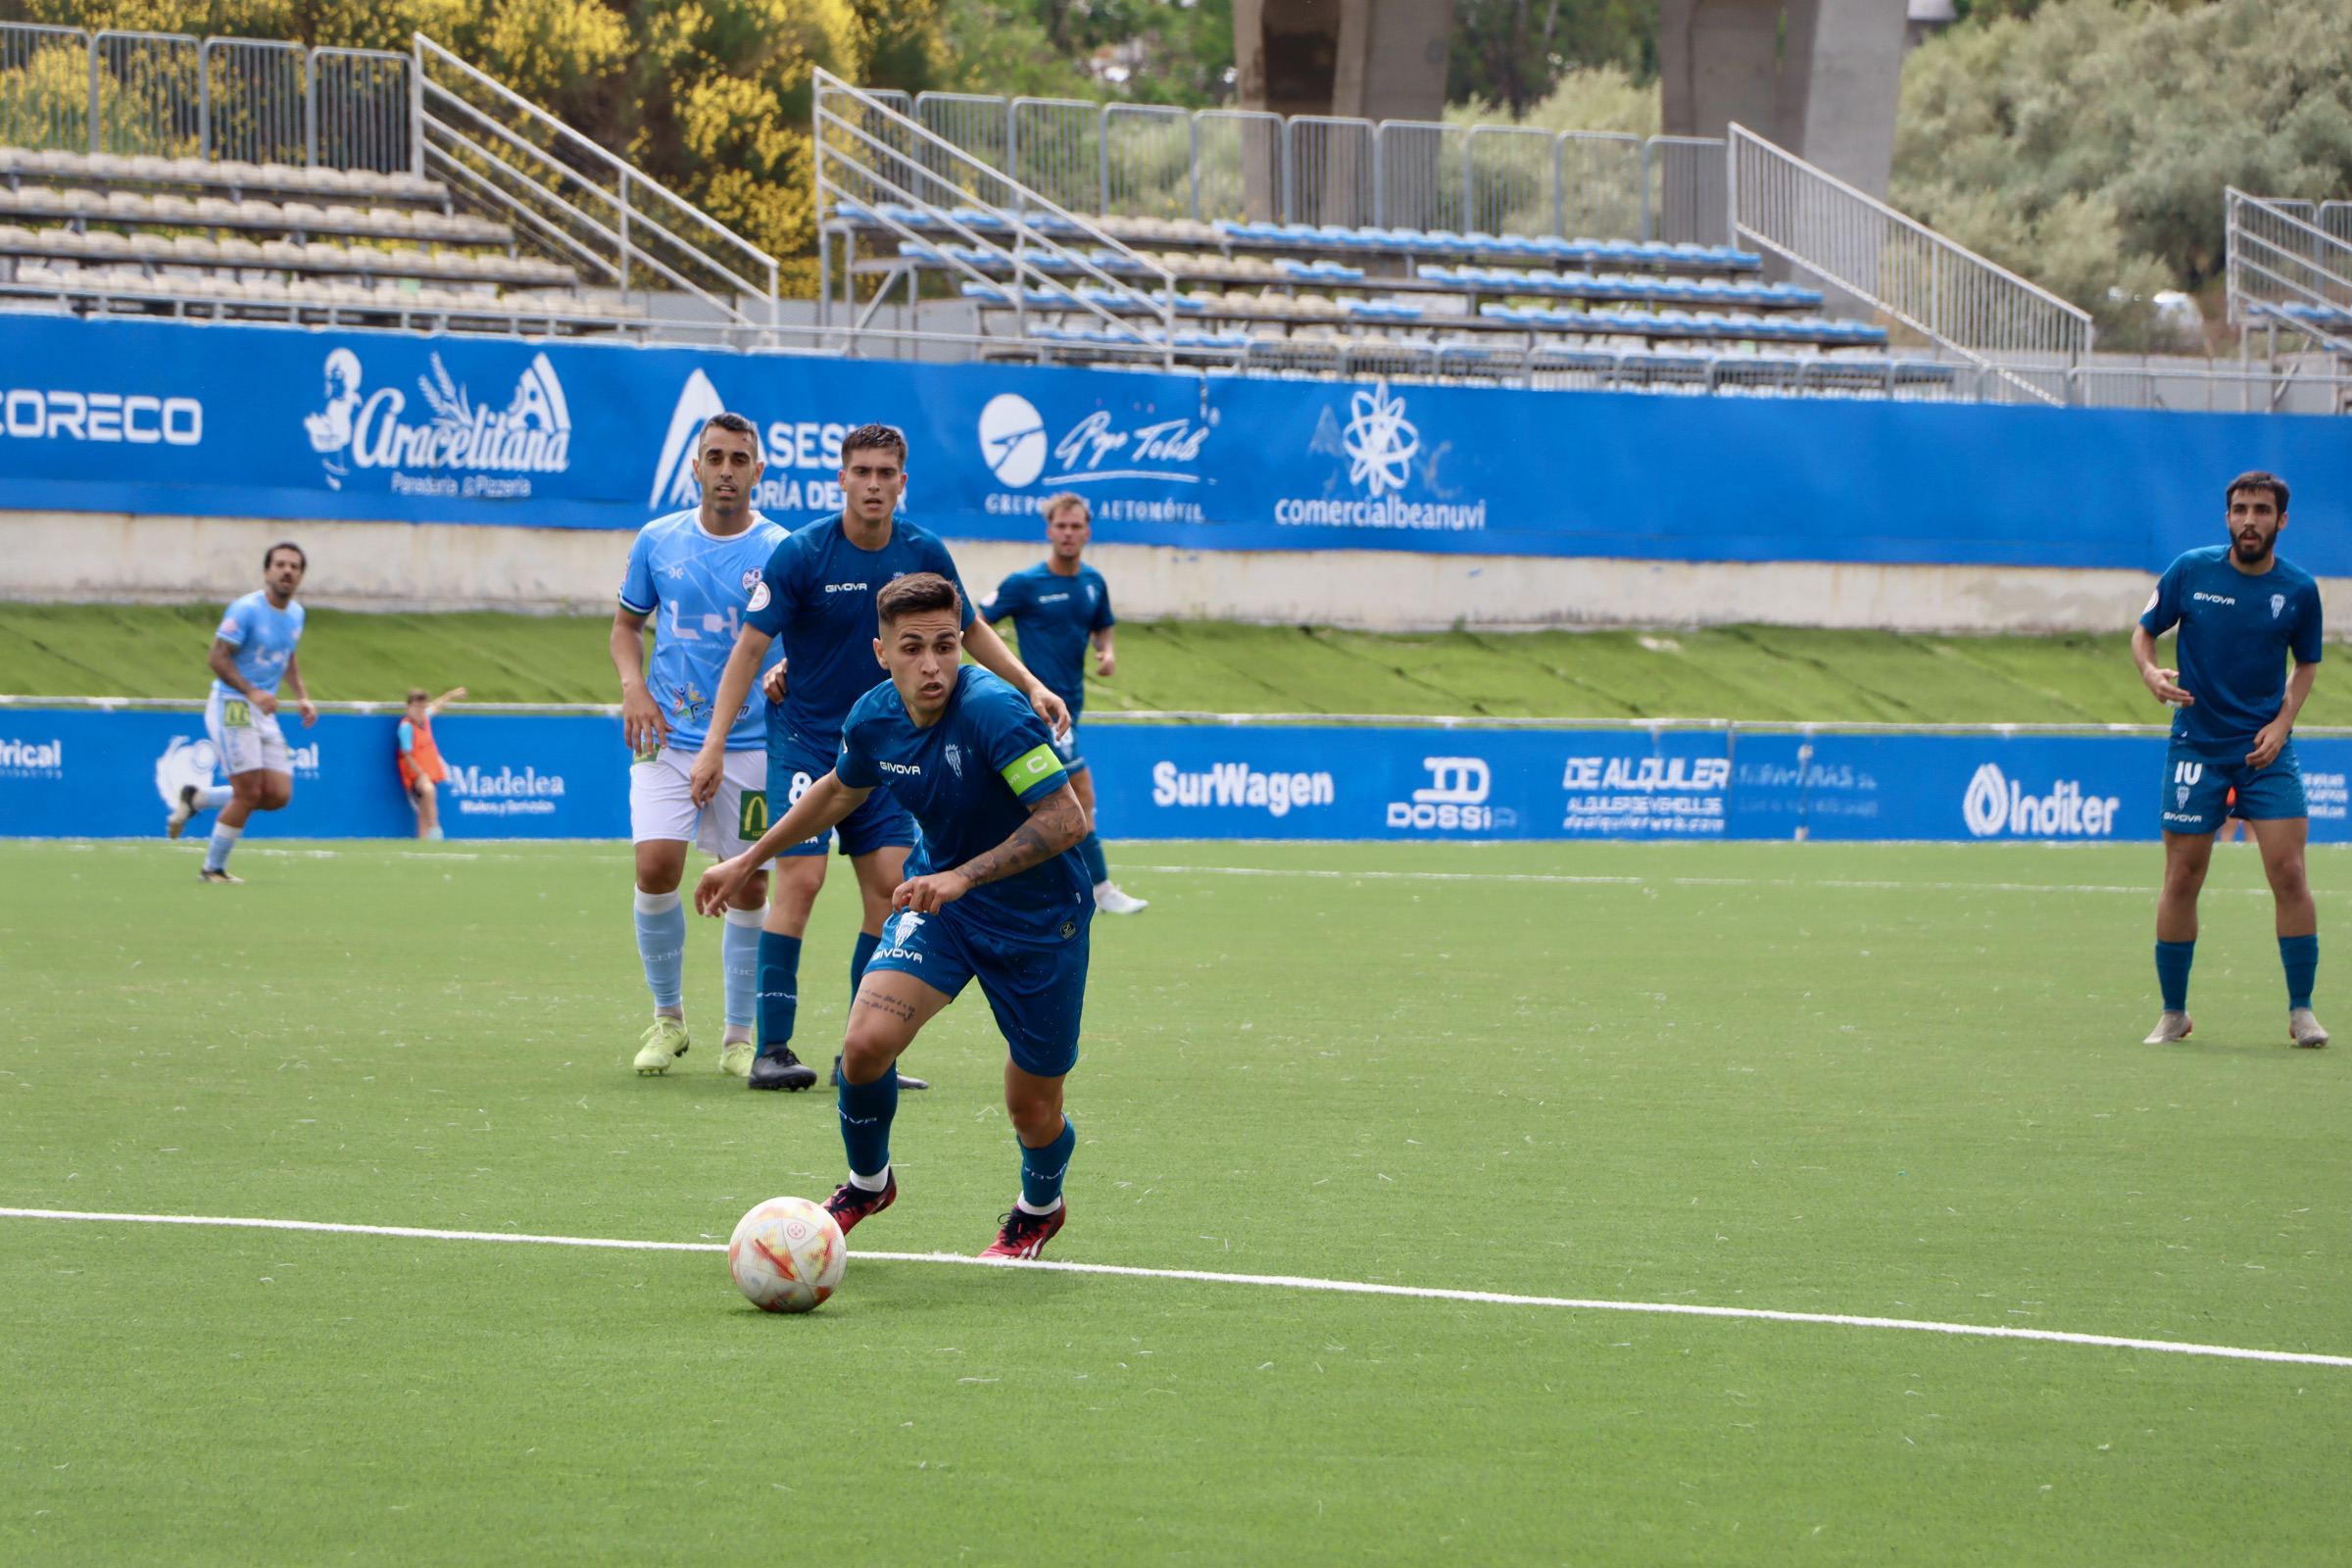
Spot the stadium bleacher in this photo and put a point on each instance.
(226, 239)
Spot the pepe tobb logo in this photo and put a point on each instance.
(505, 793)
(1240, 784)
(1994, 804)
(1454, 798)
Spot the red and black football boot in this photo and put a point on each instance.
(852, 1202)
(1025, 1235)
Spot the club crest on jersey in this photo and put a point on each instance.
(2180, 795)
(954, 757)
(2277, 603)
(749, 577)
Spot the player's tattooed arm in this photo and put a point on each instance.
(1054, 825)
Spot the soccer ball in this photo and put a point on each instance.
(787, 1254)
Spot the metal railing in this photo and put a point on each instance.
(2287, 272)
(1025, 248)
(1147, 161)
(1330, 171)
(574, 200)
(1955, 298)
(45, 86)
(171, 95)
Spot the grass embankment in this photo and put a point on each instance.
(1738, 672)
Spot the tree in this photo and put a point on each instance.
(2087, 146)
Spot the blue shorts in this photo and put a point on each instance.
(1036, 993)
(2196, 790)
(881, 823)
(1067, 751)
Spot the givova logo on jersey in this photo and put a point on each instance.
(1995, 803)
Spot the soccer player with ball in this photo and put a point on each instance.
(2243, 612)
(993, 893)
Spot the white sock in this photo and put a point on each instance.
(1027, 1207)
(1104, 883)
(871, 1184)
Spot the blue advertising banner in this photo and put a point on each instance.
(292, 424)
(88, 773)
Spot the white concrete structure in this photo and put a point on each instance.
(115, 557)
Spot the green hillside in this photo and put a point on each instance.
(1739, 672)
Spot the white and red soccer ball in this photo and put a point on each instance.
(787, 1254)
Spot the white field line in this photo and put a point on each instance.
(2148, 891)
(1290, 1282)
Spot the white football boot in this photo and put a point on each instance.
(2170, 1026)
(1111, 901)
(2304, 1029)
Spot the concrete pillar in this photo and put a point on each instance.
(1817, 77)
(1368, 58)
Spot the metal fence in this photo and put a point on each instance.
(1238, 165)
(1513, 180)
(1900, 267)
(1149, 161)
(1330, 171)
(171, 95)
(2287, 269)
(44, 86)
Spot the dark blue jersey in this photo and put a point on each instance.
(817, 593)
(1054, 617)
(969, 779)
(2236, 632)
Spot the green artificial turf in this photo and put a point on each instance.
(1899, 1081)
(1737, 673)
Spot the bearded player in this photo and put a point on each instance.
(2242, 610)
(993, 893)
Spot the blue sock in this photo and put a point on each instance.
(1090, 850)
(780, 989)
(2173, 959)
(1042, 1171)
(214, 797)
(2301, 956)
(739, 959)
(216, 855)
(662, 945)
(865, 1114)
(858, 960)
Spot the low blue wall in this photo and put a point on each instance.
(81, 772)
(253, 422)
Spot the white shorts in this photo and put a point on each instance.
(244, 737)
(661, 804)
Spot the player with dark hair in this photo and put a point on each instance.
(694, 573)
(819, 596)
(994, 895)
(252, 653)
(1060, 607)
(2242, 610)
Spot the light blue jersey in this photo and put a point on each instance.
(697, 586)
(264, 638)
